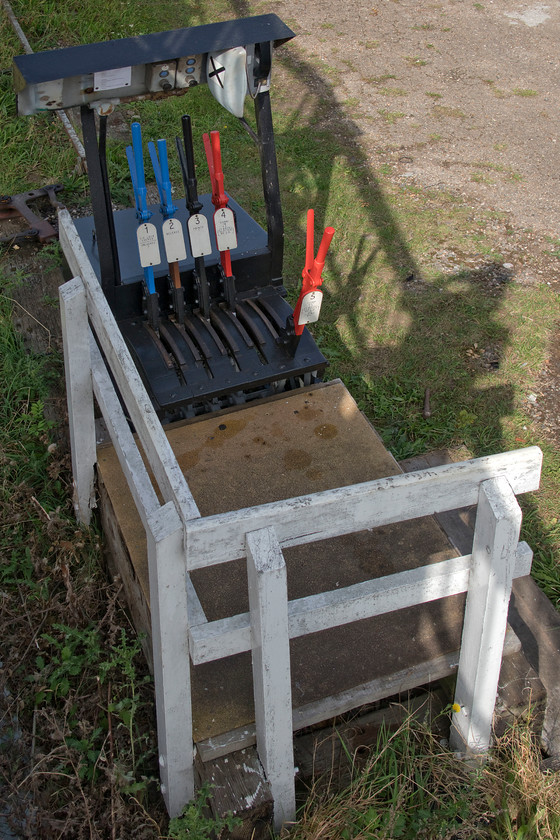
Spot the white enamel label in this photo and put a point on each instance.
(148, 245)
(310, 307)
(112, 79)
(199, 235)
(226, 235)
(174, 241)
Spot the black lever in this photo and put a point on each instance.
(197, 225)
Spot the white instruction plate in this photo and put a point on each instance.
(148, 245)
(199, 235)
(174, 241)
(310, 307)
(226, 235)
(112, 79)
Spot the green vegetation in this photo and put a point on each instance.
(410, 786)
(84, 700)
(391, 116)
(416, 61)
(195, 824)
(527, 92)
(416, 297)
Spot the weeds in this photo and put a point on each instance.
(84, 701)
(411, 786)
(195, 824)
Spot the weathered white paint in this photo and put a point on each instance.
(338, 704)
(305, 519)
(79, 396)
(196, 612)
(169, 616)
(229, 636)
(532, 16)
(259, 533)
(164, 525)
(131, 462)
(168, 474)
(498, 521)
(268, 600)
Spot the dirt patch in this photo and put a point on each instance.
(454, 94)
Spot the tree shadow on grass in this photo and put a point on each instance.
(389, 333)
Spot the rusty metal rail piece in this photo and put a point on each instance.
(17, 206)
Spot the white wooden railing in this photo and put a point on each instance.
(179, 540)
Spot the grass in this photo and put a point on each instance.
(410, 786)
(416, 61)
(390, 117)
(525, 92)
(394, 322)
(84, 752)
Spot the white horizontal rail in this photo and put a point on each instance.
(339, 704)
(344, 510)
(161, 458)
(229, 636)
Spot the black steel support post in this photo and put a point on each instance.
(101, 201)
(271, 184)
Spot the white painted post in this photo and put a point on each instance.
(79, 395)
(496, 535)
(158, 450)
(168, 606)
(268, 602)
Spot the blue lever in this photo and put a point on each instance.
(135, 157)
(161, 172)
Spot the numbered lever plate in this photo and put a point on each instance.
(310, 307)
(226, 234)
(199, 235)
(148, 245)
(174, 241)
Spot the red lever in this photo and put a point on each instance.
(311, 273)
(219, 198)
